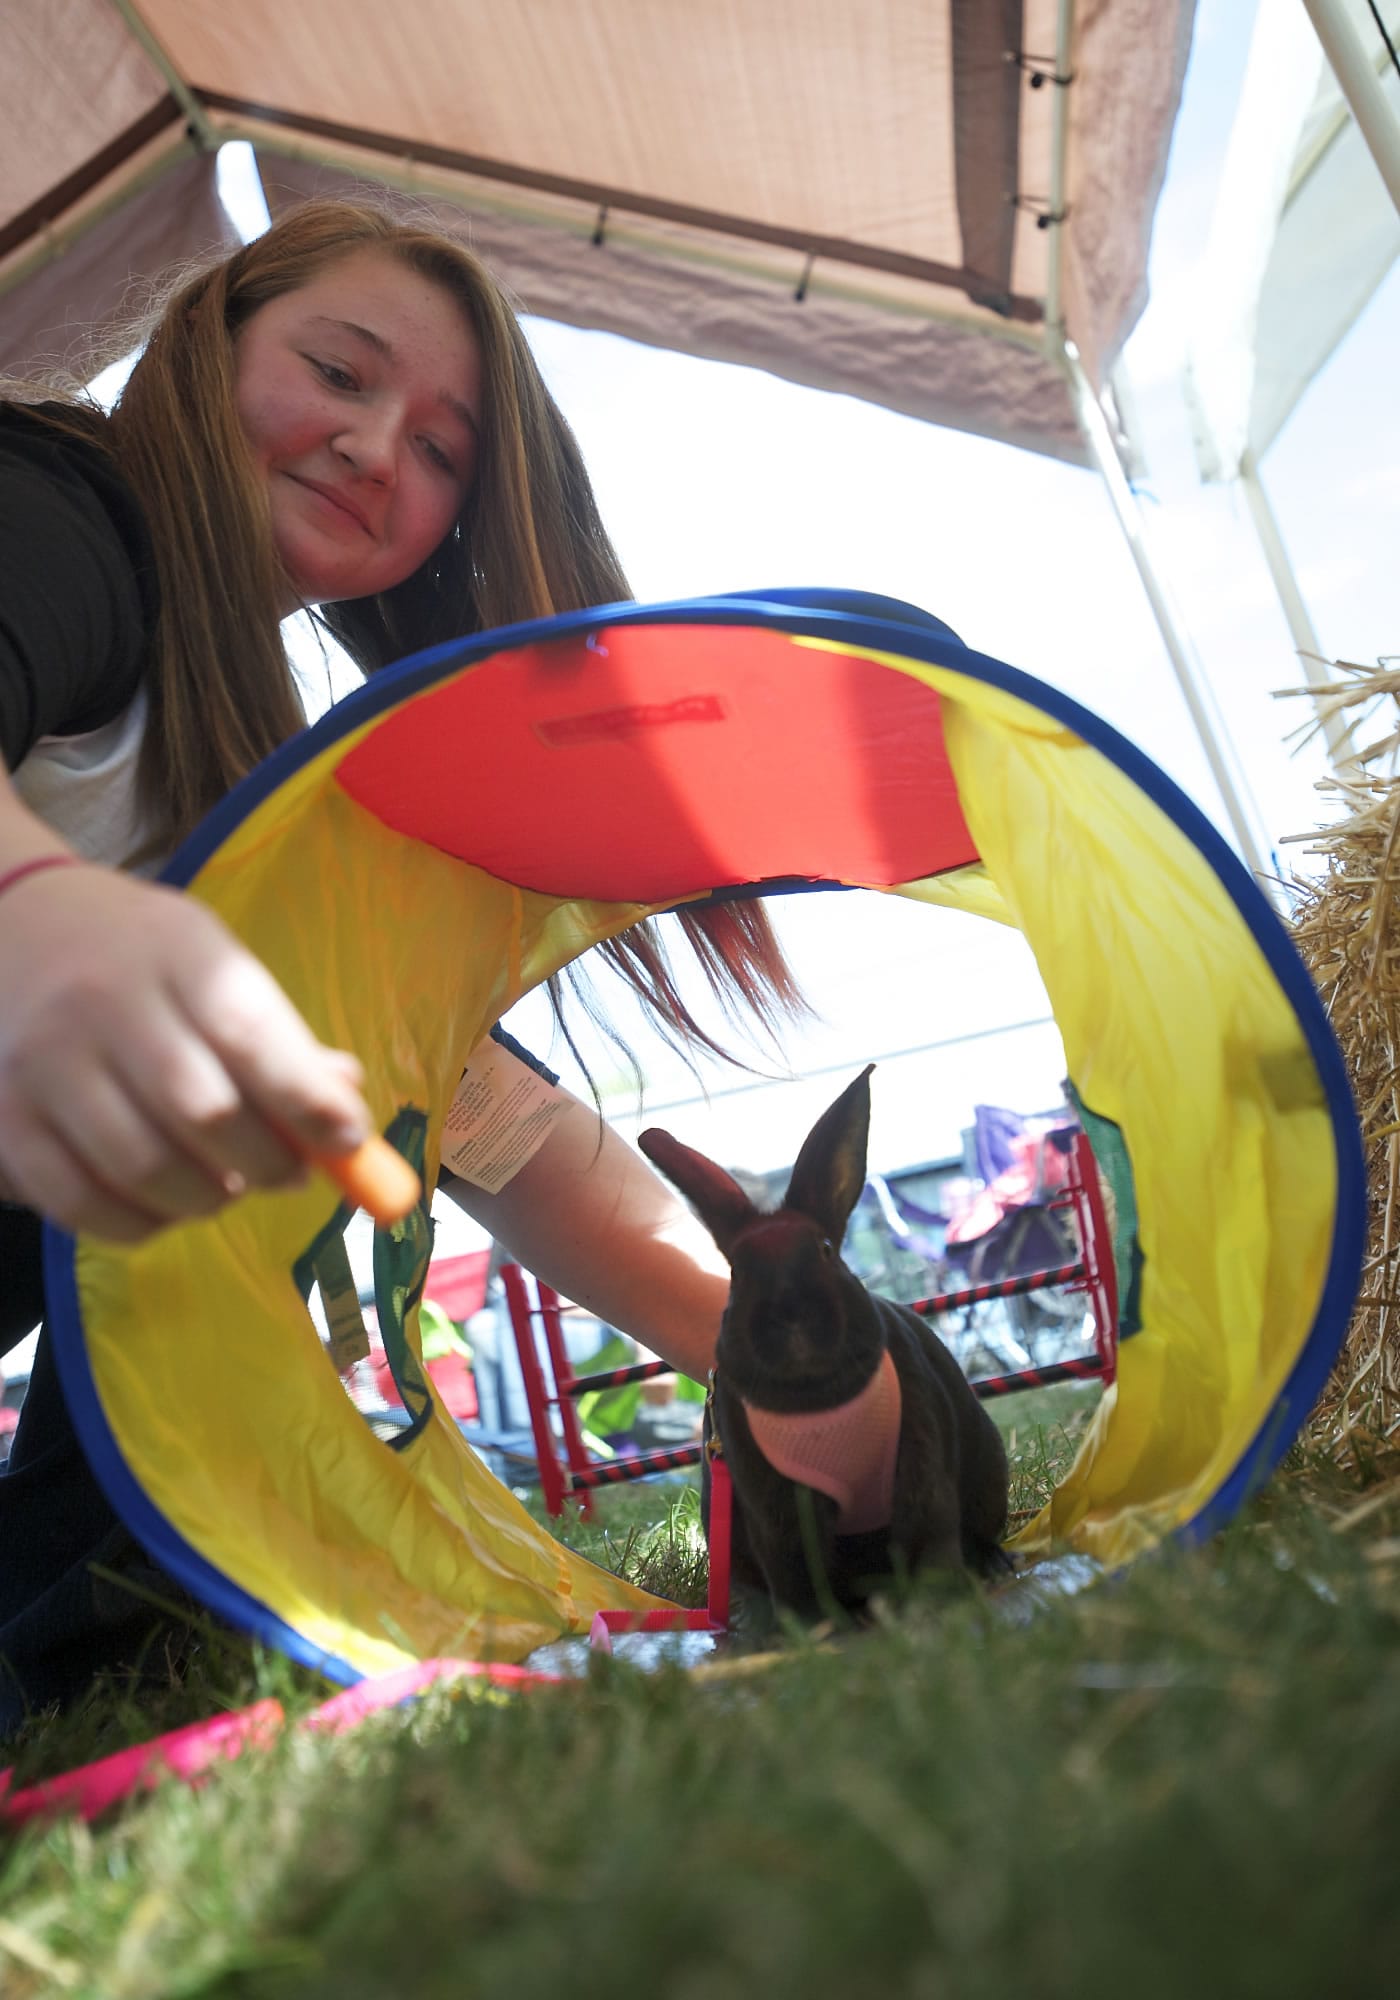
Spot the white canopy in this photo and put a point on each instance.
(1303, 233)
(894, 198)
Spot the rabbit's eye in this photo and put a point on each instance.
(827, 1248)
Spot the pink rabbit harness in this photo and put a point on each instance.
(848, 1453)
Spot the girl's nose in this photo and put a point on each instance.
(370, 446)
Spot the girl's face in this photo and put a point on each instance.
(360, 394)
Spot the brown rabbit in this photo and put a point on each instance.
(856, 1448)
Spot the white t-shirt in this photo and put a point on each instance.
(84, 787)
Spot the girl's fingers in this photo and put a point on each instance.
(106, 1127)
(64, 1188)
(349, 1066)
(306, 1092)
(187, 1094)
(151, 1068)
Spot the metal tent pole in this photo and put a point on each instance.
(1356, 76)
(1094, 425)
(196, 118)
(1355, 73)
(1189, 674)
(1300, 625)
(1059, 163)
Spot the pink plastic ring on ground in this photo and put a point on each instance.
(190, 1752)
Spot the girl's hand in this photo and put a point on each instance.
(151, 1069)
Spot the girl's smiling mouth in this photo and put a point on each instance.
(335, 502)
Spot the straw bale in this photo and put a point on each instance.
(1346, 924)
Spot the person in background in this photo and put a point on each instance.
(345, 415)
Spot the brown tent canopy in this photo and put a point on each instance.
(899, 199)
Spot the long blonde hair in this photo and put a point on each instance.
(529, 543)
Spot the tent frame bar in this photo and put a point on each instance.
(1104, 452)
(42, 217)
(1059, 175)
(90, 205)
(1185, 664)
(1346, 53)
(194, 113)
(1305, 640)
(595, 196)
(1356, 77)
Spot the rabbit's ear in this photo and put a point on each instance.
(830, 1170)
(717, 1198)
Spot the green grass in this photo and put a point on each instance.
(649, 1533)
(1182, 1782)
(1042, 1429)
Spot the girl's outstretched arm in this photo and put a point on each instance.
(588, 1215)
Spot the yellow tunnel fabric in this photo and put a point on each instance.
(223, 1405)
(210, 1371)
(1177, 1030)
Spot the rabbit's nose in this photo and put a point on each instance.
(801, 1338)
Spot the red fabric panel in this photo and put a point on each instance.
(451, 1377)
(648, 762)
(458, 1284)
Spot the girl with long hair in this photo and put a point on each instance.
(344, 414)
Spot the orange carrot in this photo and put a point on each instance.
(374, 1177)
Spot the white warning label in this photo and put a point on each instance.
(498, 1119)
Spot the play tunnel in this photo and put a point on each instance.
(476, 817)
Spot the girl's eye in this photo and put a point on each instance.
(439, 457)
(329, 371)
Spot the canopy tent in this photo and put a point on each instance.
(1303, 233)
(901, 201)
(1305, 229)
(941, 207)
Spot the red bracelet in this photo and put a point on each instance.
(8, 880)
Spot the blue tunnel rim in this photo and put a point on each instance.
(877, 624)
